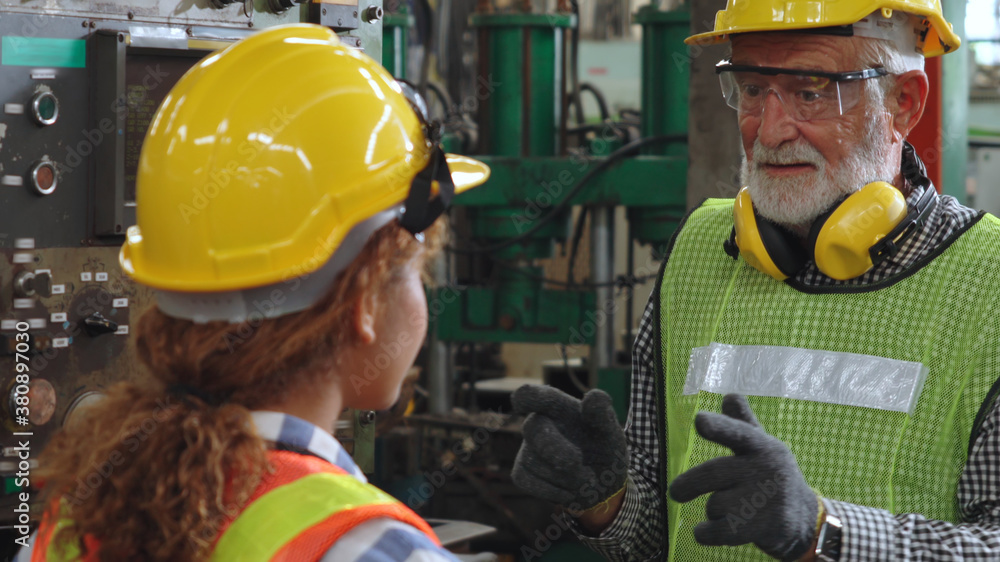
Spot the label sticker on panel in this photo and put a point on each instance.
(102, 275)
(8, 324)
(24, 257)
(59, 289)
(86, 276)
(58, 317)
(24, 243)
(60, 342)
(122, 330)
(24, 303)
(36, 323)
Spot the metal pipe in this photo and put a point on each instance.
(602, 233)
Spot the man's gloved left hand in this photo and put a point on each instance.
(785, 525)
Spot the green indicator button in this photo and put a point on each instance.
(45, 108)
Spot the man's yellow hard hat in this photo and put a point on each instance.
(936, 36)
(265, 155)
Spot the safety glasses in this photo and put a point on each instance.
(805, 94)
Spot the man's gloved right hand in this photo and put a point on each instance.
(574, 451)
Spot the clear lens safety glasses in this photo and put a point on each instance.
(805, 94)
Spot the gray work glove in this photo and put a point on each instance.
(574, 451)
(762, 470)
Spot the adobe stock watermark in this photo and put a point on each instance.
(603, 486)
(130, 439)
(605, 311)
(751, 504)
(461, 452)
(389, 351)
(107, 127)
(248, 150)
(553, 189)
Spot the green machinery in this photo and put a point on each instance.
(522, 91)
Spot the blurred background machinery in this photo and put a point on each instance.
(588, 151)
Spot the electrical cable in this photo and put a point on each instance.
(604, 164)
(569, 372)
(602, 103)
(620, 282)
(443, 97)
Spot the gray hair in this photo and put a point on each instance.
(880, 52)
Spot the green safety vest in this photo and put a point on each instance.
(941, 313)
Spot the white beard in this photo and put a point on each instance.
(796, 202)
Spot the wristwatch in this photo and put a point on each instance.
(828, 543)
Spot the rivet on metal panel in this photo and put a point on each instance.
(131, 15)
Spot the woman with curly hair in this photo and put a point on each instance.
(287, 274)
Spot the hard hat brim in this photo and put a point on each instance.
(466, 172)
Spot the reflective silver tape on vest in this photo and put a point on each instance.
(849, 379)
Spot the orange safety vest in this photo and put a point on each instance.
(296, 514)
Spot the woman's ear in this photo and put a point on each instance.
(909, 99)
(365, 310)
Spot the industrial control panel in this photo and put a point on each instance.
(79, 85)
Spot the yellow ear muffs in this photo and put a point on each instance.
(842, 243)
(846, 241)
(763, 244)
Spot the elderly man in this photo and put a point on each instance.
(852, 305)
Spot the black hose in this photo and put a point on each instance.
(599, 96)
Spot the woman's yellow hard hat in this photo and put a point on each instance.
(745, 16)
(265, 155)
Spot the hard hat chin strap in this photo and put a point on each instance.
(421, 210)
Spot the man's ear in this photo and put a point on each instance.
(909, 99)
(365, 310)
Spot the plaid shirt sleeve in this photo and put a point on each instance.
(637, 531)
(875, 535)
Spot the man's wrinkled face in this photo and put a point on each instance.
(796, 170)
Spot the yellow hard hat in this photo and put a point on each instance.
(265, 155)
(745, 16)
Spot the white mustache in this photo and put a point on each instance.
(799, 153)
